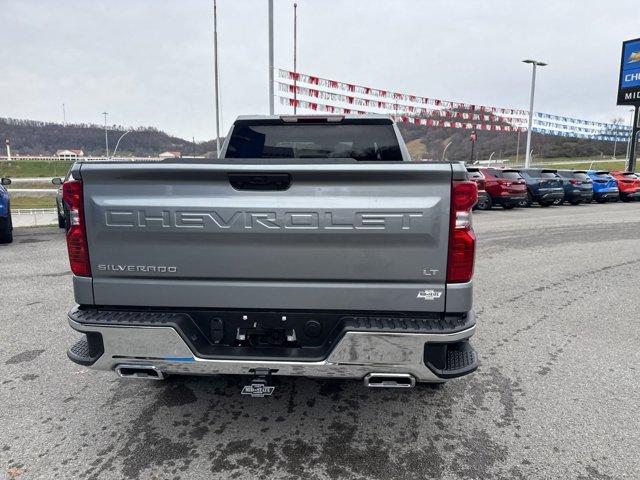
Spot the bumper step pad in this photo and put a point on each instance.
(87, 349)
(450, 360)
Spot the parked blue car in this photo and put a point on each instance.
(6, 227)
(605, 186)
(578, 186)
(544, 186)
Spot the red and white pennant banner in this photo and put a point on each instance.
(427, 122)
(394, 96)
(373, 105)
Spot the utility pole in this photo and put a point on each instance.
(8, 143)
(217, 94)
(271, 57)
(631, 167)
(295, 59)
(106, 135)
(535, 64)
(64, 116)
(518, 146)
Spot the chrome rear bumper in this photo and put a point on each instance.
(356, 355)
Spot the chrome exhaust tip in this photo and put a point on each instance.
(140, 372)
(390, 380)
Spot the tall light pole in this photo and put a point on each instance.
(535, 64)
(295, 58)
(270, 57)
(445, 150)
(106, 135)
(215, 68)
(115, 150)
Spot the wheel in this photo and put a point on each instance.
(6, 229)
(61, 221)
(558, 201)
(507, 206)
(574, 202)
(625, 199)
(546, 204)
(601, 200)
(485, 203)
(529, 201)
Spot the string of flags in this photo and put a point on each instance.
(427, 122)
(321, 94)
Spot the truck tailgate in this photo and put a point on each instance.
(343, 236)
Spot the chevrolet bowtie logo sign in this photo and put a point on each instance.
(258, 390)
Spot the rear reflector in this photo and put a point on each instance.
(462, 240)
(76, 233)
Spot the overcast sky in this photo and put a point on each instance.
(150, 62)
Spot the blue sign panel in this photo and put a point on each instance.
(629, 87)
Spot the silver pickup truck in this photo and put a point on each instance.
(313, 247)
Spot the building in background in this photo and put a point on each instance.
(170, 155)
(69, 154)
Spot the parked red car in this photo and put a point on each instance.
(505, 187)
(484, 200)
(628, 184)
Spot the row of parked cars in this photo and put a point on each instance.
(510, 187)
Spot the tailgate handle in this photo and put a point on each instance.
(260, 181)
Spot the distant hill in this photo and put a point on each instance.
(426, 142)
(30, 137)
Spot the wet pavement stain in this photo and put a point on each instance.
(24, 357)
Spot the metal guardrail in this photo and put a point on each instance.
(34, 211)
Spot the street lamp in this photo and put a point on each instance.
(115, 150)
(535, 64)
(106, 136)
(215, 75)
(491, 156)
(445, 149)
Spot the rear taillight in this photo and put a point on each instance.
(575, 182)
(76, 232)
(462, 240)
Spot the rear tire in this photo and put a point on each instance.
(6, 230)
(507, 206)
(485, 204)
(575, 202)
(529, 201)
(546, 204)
(601, 200)
(61, 221)
(625, 199)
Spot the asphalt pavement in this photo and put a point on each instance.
(556, 396)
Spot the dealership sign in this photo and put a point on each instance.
(629, 86)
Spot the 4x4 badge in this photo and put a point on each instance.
(429, 294)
